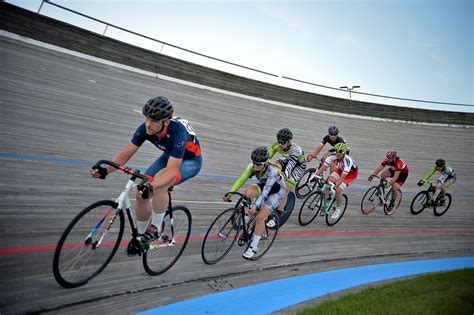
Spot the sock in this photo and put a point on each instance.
(157, 220)
(255, 240)
(142, 225)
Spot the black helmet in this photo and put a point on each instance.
(333, 130)
(440, 162)
(158, 108)
(260, 155)
(284, 135)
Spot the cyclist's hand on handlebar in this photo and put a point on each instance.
(99, 172)
(371, 177)
(310, 157)
(420, 183)
(226, 197)
(145, 191)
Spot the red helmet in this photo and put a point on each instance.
(392, 154)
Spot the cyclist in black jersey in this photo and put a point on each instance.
(332, 138)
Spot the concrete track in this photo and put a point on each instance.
(58, 111)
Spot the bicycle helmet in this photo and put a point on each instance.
(440, 162)
(284, 135)
(341, 147)
(392, 154)
(260, 155)
(333, 130)
(158, 108)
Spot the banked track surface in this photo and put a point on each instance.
(60, 113)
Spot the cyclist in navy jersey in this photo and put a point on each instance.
(180, 161)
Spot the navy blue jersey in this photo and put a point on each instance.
(180, 141)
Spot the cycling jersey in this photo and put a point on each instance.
(447, 175)
(293, 161)
(270, 178)
(397, 165)
(346, 165)
(179, 140)
(327, 139)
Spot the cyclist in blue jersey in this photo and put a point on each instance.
(180, 161)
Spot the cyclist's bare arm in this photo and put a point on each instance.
(121, 158)
(315, 153)
(377, 170)
(395, 177)
(167, 176)
(322, 169)
(340, 180)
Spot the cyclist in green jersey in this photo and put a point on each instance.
(447, 178)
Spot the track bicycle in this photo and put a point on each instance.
(425, 199)
(317, 203)
(94, 235)
(235, 225)
(378, 196)
(308, 182)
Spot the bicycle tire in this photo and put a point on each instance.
(165, 252)
(329, 219)
(71, 269)
(221, 236)
(396, 205)
(302, 188)
(310, 208)
(370, 201)
(267, 239)
(436, 207)
(420, 200)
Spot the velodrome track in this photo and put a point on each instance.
(59, 114)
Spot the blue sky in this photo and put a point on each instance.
(411, 49)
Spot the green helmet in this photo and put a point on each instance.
(341, 147)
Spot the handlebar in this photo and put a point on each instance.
(127, 170)
(242, 197)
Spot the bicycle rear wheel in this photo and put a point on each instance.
(371, 200)
(310, 208)
(438, 209)
(268, 237)
(221, 236)
(303, 187)
(330, 221)
(165, 251)
(396, 204)
(88, 244)
(419, 202)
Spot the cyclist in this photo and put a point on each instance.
(447, 178)
(398, 172)
(292, 163)
(180, 161)
(332, 138)
(268, 192)
(342, 176)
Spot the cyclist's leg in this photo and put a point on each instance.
(344, 185)
(387, 173)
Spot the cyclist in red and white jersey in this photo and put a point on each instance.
(397, 170)
(345, 173)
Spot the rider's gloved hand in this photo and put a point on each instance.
(371, 177)
(420, 183)
(310, 157)
(99, 172)
(146, 189)
(226, 197)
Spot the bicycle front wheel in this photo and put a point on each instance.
(310, 208)
(268, 237)
(330, 219)
(371, 200)
(440, 208)
(88, 244)
(304, 187)
(165, 251)
(221, 236)
(396, 204)
(419, 203)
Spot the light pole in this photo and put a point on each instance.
(350, 89)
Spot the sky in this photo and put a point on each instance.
(417, 49)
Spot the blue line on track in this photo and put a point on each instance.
(275, 295)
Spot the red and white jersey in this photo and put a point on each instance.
(346, 165)
(397, 165)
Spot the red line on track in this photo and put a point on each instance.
(50, 247)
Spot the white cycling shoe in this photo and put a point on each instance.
(336, 213)
(250, 252)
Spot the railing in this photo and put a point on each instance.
(256, 73)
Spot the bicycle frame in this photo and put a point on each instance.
(326, 206)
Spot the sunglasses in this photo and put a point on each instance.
(340, 151)
(258, 163)
(284, 142)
